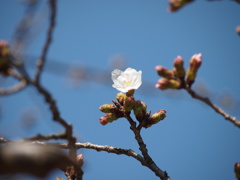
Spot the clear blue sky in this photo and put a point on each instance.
(193, 142)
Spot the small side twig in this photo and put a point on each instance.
(13, 89)
(42, 59)
(40, 137)
(207, 101)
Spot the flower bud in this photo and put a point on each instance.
(195, 62)
(80, 160)
(4, 58)
(111, 117)
(164, 72)
(129, 103)
(177, 4)
(158, 116)
(139, 110)
(121, 97)
(168, 84)
(238, 30)
(103, 120)
(4, 50)
(179, 69)
(155, 118)
(237, 170)
(108, 118)
(107, 108)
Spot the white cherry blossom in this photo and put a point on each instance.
(127, 80)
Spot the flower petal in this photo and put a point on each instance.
(127, 80)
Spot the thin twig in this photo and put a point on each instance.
(143, 148)
(207, 101)
(40, 137)
(15, 88)
(42, 59)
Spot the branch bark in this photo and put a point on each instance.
(42, 59)
(207, 101)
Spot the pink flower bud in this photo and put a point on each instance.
(158, 116)
(4, 50)
(177, 4)
(111, 117)
(103, 120)
(4, 58)
(80, 160)
(179, 68)
(168, 84)
(195, 62)
(238, 30)
(164, 72)
(237, 170)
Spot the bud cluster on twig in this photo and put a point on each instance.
(124, 105)
(178, 78)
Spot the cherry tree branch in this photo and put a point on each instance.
(207, 101)
(42, 59)
(143, 148)
(88, 145)
(15, 88)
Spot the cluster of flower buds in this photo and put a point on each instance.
(4, 57)
(175, 5)
(124, 105)
(178, 77)
(237, 170)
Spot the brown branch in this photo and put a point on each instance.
(143, 148)
(207, 101)
(42, 59)
(40, 137)
(15, 88)
(87, 145)
(57, 117)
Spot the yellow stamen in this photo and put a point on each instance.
(127, 82)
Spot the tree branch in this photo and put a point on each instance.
(88, 145)
(14, 89)
(42, 59)
(207, 101)
(143, 148)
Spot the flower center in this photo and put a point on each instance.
(127, 82)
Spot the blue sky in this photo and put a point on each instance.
(193, 142)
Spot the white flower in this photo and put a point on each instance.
(129, 79)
